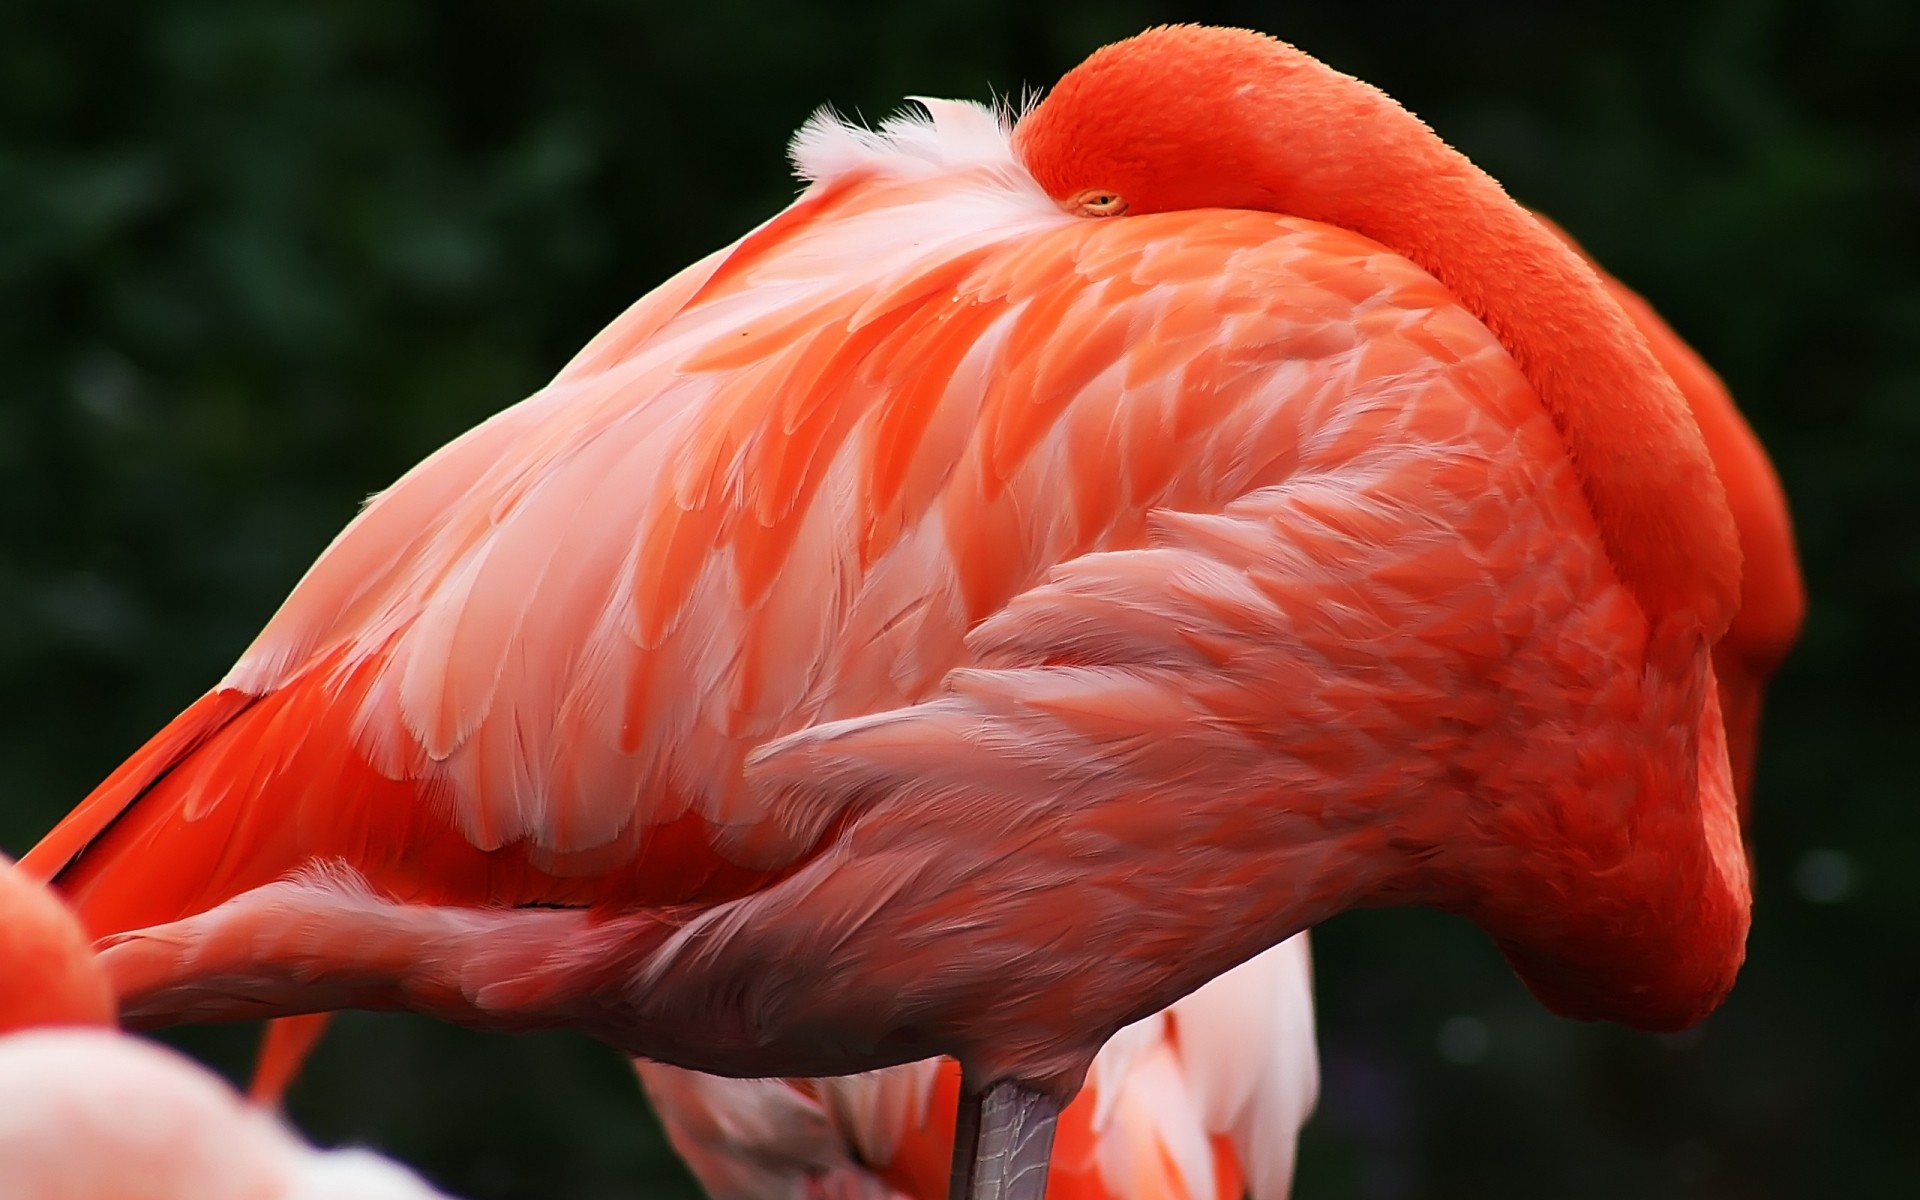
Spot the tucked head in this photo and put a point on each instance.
(1185, 117)
(1188, 117)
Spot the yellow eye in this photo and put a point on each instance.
(1097, 202)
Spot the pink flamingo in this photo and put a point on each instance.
(88, 1114)
(1027, 577)
(1156, 1098)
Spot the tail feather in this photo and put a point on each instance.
(238, 791)
(243, 790)
(162, 753)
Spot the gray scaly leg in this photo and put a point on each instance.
(1001, 1143)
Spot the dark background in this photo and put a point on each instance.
(257, 258)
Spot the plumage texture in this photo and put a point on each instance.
(1189, 116)
(1773, 597)
(1200, 1102)
(941, 623)
(1245, 1045)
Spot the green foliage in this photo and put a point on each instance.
(255, 259)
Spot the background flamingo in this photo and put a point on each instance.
(1405, 620)
(87, 1114)
(1199, 1102)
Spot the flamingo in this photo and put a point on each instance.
(1035, 572)
(89, 1114)
(1153, 1100)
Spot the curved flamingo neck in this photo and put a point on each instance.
(1773, 598)
(1189, 117)
(1636, 447)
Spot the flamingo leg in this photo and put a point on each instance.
(1002, 1139)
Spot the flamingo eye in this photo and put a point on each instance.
(1097, 202)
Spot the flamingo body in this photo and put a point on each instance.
(942, 622)
(887, 1134)
(576, 728)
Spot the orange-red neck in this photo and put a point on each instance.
(1189, 117)
(1642, 463)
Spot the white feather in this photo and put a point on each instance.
(949, 135)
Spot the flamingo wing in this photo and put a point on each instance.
(777, 493)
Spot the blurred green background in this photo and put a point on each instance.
(257, 258)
